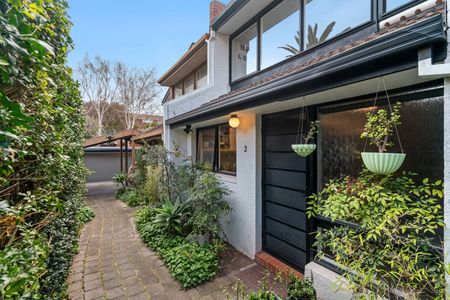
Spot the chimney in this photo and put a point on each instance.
(215, 9)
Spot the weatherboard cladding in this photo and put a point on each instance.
(297, 70)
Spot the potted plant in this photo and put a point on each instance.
(305, 148)
(300, 289)
(379, 128)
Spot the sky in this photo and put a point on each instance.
(141, 33)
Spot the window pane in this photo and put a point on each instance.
(244, 53)
(205, 146)
(326, 18)
(392, 4)
(201, 77)
(280, 33)
(178, 89)
(227, 151)
(189, 84)
(340, 140)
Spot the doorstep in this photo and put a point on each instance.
(275, 265)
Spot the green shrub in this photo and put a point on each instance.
(189, 263)
(42, 173)
(207, 204)
(85, 214)
(21, 266)
(300, 289)
(171, 217)
(388, 247)
(121, 180)
(132, 197)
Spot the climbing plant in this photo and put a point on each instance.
(42, 174)
(387, 245)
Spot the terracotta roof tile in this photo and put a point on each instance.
(391, 28)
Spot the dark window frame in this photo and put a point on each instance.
(405, 94)
(216, 163)
(378, 13)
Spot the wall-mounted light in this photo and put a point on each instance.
(188, 129)
(234, 121)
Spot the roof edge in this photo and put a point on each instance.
(188, 54)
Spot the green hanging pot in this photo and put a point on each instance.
(383, 163)
(304, 149)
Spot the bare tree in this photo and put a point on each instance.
(137, 92)
(98, 87)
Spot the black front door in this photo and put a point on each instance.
(286, 181)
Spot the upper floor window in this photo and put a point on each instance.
(194, 81)
(326, 18)
(201, 77)
(285, 31)
(280, 27)
(244, 53)
(393, 4)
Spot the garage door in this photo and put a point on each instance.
(286, 180)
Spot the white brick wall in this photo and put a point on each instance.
(217, 79)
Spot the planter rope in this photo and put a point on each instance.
(303, 148)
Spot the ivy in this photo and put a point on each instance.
(42, 174)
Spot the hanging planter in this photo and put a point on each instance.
(305, 148)
(380, 126)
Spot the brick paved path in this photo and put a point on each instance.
(113, 263)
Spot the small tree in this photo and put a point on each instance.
(380, 126)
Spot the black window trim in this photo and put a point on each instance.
(378, 13)
(215, 166)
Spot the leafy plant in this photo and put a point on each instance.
(85, 214)
(171, 216)
(300, 289)
(192, 264)
(132, 197)
(314, 127)
(207, 205)
(41, 140)
(387, 245)
(265, 289)
(380, 126)
(189, 263)
(121, 180)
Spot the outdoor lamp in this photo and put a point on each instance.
(234, 121)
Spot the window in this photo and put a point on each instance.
(291, 27)
(189, 84)
(327, 18)
(206, 145)
(280, 33)
(393, 4)
(178, 90)
(227, 150)
(201, 77)
(340, 139)
(244, 53)
(216, 147)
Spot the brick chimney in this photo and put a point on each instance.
(215, 9)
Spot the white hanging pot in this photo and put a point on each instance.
(383, 163)
(304, 150)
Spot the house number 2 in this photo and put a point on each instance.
(245, 148)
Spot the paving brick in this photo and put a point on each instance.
(116, 292)
(94, 294)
